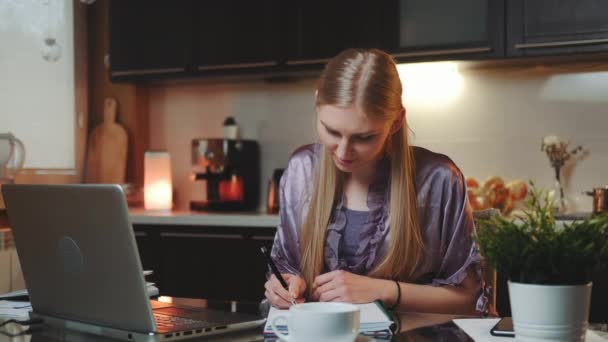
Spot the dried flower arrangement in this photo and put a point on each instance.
(559, 153)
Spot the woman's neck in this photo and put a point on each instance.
(364, 175)
(356, 186)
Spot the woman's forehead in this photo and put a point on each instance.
(349, 119)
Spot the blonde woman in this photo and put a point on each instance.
(365, 216)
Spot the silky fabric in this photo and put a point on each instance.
(350, 248)
(444, 216)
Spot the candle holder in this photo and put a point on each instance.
(158, 186)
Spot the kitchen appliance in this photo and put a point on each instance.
(225, 175)
(12, 157)
(273, 192)
(600, 199)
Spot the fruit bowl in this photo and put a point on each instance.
(494, 193)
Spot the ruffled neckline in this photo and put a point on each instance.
(372, 233)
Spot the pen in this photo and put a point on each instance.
(275, 271)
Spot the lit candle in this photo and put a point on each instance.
(158, 187)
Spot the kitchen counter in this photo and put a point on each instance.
(194, 218)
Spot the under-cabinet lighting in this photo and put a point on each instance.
(432, 83)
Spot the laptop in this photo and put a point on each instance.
(82, 268)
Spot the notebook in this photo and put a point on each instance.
(82, 269)
(376, 321)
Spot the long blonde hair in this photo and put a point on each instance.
(368, 79)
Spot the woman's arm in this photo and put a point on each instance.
(459, 299)
(285, 249)
(342, 286)
(294, 193)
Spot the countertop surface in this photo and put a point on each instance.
(195, 218)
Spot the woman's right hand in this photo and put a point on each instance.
(281, 298)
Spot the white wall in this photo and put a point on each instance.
(489, 121)
(37, 96)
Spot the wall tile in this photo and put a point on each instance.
(494, 127)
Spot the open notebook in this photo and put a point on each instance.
(375, 321)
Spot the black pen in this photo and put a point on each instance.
(275, 271)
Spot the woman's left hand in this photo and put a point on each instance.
(343, 286)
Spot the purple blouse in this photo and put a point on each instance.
(445, 218)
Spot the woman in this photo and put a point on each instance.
(364, 216)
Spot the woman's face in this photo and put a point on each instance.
(355, 140)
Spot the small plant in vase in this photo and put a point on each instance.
(559, 153)
(549, 267)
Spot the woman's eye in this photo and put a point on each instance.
(334, 133)
(366, 138)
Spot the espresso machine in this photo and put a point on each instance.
(225, 175)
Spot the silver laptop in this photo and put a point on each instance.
(82, 268)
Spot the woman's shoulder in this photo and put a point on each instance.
(302, 163)
(296, 181)
(304, 157)
(430, 164)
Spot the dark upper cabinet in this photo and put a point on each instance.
(319, 29)
(443, 29)
(155, 39)
(149, 37)
(552, 27)
(236, 34)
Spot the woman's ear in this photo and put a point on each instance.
(398, 122)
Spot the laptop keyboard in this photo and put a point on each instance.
(174, 322)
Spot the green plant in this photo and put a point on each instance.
(531, 248)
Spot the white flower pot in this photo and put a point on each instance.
(549, 312)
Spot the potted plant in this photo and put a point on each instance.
(549, 267)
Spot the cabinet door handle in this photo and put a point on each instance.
(203, 235)
(308, 61)
(561, 44)
(141, 234)
(262, 237)
(463, 51)
(147, 71)
(236, 65)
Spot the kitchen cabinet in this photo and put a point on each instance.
(236, 34)
(318, 30)
(150, 38)
(206, 261)
(444, 29)
(272, 37)
(148, 246)
(555, 27)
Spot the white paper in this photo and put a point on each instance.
(15, 309)
(372, 318)
(479, 330)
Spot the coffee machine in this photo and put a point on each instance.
(225, 175)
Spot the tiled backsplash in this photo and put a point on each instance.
(491, 125)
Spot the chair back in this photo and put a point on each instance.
(488, 273)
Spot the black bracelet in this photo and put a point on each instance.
(394, 306)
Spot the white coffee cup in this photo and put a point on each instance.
(319, 322)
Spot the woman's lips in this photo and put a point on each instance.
(345, 162)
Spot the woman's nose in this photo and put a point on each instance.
(342, 150)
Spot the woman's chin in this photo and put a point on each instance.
(344, 167)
